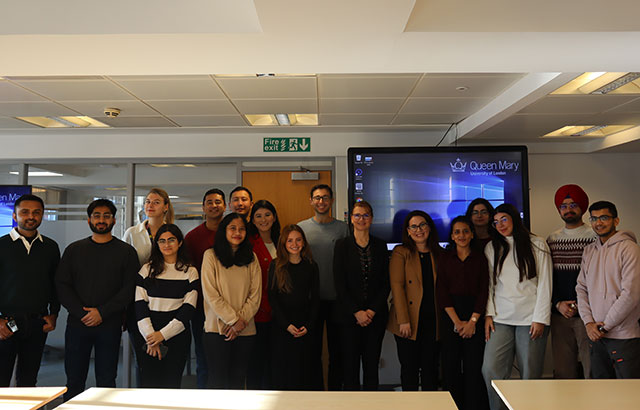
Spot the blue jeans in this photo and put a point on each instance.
(505, 344)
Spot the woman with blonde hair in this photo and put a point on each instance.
(159, 211)
(293, 294)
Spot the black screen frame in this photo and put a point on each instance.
(521, 149)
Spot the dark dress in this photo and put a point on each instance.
(292, 359)
(463, 285)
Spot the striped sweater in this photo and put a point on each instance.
(566, 247)
(167, 302)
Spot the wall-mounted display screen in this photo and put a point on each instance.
(8, 196)
(439, 181)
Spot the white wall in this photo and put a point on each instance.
(611, 177)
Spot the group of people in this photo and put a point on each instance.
(256, 297)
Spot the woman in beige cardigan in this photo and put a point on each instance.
(413, 319)
(231, 286)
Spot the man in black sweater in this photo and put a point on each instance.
(95, 282)
(28, 305)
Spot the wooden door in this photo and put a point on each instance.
(291, 198)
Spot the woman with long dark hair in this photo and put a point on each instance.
(462, 288)
(293, 293)
(519, 303)
(361, 271)
(412, 318)
(231, 284)
(166, 295)
(479, 212)
(264, 232)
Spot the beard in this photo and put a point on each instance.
(102, 229)
(571, 217)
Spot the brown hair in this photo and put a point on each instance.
(363, 204)
(281, 280)
(169, 215)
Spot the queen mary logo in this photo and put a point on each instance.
(458, 166)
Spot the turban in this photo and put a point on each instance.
(574, 192)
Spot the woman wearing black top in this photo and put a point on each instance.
(361, 269)
(462, 288)
(293, 295)
(479, 213)
(413, 319)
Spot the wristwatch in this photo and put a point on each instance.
(473, 319)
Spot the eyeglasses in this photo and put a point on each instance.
(502, 220)
(171, 241)
(106, 217)
(572, 205)
(480, 212)
(414, 228)
(357, 217)
(602, 218)
(324, 198)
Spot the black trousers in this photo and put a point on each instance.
(462, 367)
(197, 329)
(137, 342)
(362, 344)
(327, 315)
(227, 361)
(26, 345)
(166, 373)
(259, 371)
(293, 360)
(79, 341)
(615, 358)
(418, 361)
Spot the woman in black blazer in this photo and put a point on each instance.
(361, 269)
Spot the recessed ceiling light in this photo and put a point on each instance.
(462, 88)
(64, 122)
(590, 131)
(271, 119)
(602, 83)
(173, 197)
(39, 174)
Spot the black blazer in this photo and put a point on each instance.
(348, 279)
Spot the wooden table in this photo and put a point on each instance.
(569, 394)
(166, 399)
(23, 398)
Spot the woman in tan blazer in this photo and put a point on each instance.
(413, 319)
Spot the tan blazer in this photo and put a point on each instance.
(405, 274)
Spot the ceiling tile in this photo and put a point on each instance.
(12, 92)
(96, 108)
(360, 105)
(172, 87)
(10, 123)
(443, 105)
(355, 119)
(478, 85)
(586, 104)
(286, 106)
(632, 106)
(269, 87)
(364, 86)
(76, 90)
(611, 118)
(532, 125)
(133, 122)
(209, 120)
(33, 109)
(196, 107)
(413, 119)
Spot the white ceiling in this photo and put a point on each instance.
(371, 63)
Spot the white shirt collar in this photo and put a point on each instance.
(15, 235)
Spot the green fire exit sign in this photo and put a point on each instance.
(286, 144)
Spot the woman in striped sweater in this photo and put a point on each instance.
(165, 301)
